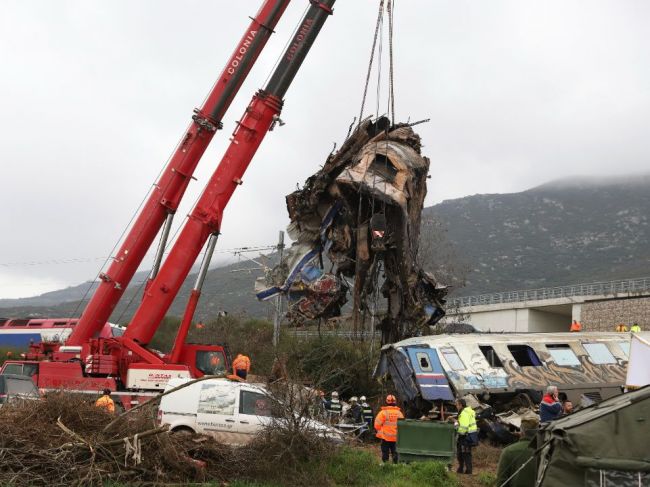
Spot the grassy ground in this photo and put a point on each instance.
(485, 459)
(362, 467)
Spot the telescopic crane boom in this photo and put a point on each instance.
(205, 220)
(169, 189)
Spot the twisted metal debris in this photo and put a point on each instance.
(359, 218)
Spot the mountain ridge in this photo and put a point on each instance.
(572, 230)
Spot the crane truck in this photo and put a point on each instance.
(88, 362)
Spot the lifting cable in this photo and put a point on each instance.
(377, 46)
(389, 6)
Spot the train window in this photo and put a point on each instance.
(423, 361)
(625, 346)
(36, 324)
(599, 353)
(452, 358)
(524, 356)
(562, 354)
(18, 322)
(60, 323)
(491, 356)
(3, 321)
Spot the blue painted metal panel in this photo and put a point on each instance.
(19, 340)
(429, 374)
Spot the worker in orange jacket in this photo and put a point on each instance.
(106, 402)
(575, 326)
(241, 366)
(386, 427)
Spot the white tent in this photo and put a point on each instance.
(638, 366)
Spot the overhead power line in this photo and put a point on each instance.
(81, 260)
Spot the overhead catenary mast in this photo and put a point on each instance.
(205, 219)
(169, 189)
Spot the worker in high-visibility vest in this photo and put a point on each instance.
(575, 326)
(106, 402)
(386, 427)
(467, 436)
(621, 328)
(241, 366)
(635, 328)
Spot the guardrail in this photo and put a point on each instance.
(608, 288)
(339, 333)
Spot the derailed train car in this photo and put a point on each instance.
(501, 368)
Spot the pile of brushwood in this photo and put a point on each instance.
(65, 440)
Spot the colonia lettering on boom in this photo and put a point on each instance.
(234, 63)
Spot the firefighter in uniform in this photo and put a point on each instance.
(366, 410)
(635, 328)
(241, 366)
(106, 402)
(576, 326)
(333, 408)
(467, 436)
(386, 427)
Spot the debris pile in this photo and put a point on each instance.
(65, 440)
(360, 215)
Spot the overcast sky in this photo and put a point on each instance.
(94, 96)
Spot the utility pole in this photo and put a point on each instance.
(278, 298)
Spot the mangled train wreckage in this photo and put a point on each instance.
(360, 217)
(501, 368)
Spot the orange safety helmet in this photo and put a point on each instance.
(390, 399)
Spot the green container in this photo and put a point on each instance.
(425, 441)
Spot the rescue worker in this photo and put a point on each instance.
(241, 366)
(333, 407)
(467, 436)
(367, 412)
(567, 406)
(519, 455)
(215, 363)
(575, 326)
(550, 408)
(106, 402)
(635, 328)
(386, 427)
(355, 412)
(621, 328)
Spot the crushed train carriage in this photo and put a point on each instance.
(500, 368)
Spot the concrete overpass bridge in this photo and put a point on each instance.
(598, 306)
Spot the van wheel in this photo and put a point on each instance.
(183, 431)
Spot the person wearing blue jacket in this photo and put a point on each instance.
(550, 408)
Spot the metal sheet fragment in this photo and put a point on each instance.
(360, 215)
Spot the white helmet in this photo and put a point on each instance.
(354, 399)
(363, 398)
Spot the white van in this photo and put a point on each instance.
(230, 411)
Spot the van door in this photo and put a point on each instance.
(216, 414)
(255, 411)
(429, 374)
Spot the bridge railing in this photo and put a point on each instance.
(589, 289)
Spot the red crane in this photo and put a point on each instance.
(169, 189)
(205, 219)
(124, 363)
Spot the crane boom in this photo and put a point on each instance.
(205, 219)
(169, 189)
